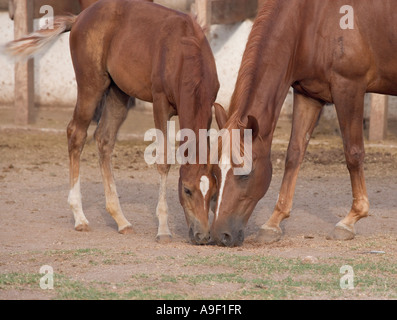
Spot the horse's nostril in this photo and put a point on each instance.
(226, 239)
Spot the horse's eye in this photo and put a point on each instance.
(187, 191)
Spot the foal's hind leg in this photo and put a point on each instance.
(305, 116)
(113, 116)
(349, 102)
(88, 99)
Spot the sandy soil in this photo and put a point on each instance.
(35, 216)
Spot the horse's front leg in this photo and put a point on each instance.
(162, 112)
(349, 101)
(305, 115)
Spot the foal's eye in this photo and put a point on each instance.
(187, 191)
(244, 177)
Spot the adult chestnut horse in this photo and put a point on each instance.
(123, 48)
(328, 53)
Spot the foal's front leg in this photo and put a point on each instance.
(305, 116)
(162, 113)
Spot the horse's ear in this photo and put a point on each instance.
(220, 115)
(254, 126)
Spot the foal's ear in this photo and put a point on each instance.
(253, 125)
(220, 115)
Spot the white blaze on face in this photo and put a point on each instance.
(225, 166)
(204, 186)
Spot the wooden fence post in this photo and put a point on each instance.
(203, 9)
(378, 117)
(24, 71)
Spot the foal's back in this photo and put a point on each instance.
(134, 42)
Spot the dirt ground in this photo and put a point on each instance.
(36, 225)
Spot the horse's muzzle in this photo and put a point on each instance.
(233, 238)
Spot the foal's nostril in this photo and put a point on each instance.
(240, 238)
(198, 237)
(191, 234)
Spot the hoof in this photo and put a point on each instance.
(127, 230)
(163, 238)
(342, 232)
(82, 227)
(269, 235)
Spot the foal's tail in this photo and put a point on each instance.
(27, 46)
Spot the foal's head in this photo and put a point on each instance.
(200, 85)
(239, 190)
(197, 187)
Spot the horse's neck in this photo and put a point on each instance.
(266, 71)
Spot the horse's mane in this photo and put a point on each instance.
(251, 58)
(236, 148)
(246, 78)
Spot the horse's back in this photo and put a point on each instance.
(355, 42)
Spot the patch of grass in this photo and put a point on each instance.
(264, 277)
(241, 277)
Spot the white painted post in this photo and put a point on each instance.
(378, 117)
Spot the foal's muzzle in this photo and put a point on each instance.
(198, 237)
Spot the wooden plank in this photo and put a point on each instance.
(378, 117)
(232, 11)
(24, 71)
(60, 7)
(3, 4)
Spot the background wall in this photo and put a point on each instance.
(55, 80)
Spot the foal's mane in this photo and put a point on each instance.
(193, 58)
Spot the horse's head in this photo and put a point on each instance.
(239, 189)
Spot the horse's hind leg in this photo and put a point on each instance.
(349, 101)
(305, 116)
(88, 99)
(113, 116)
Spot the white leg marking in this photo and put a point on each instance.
(74, 201)
(162, 208)
(225, 166)
(204, 186)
